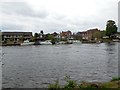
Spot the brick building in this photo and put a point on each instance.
(89, 34)
(16, 35)
(66, 35)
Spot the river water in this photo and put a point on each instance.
(37, 66)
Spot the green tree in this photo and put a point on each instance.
(111, 28)
(103, 33)
(49, 36)
(36, 36)
(97, 35)
(42, 32)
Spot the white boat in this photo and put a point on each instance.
(26, 42)
(47, 42)
(62, 42)
(76, 42)
(116, 40)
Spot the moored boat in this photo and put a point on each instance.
(76, 42)
(47, 42)
(26, 42)
(116, 40)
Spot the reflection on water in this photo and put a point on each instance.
(37, 66)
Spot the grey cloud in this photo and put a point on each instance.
(21, 8)
(58, 27)
(119, 16)
(50, 22)
(58, 16)
(8, 26)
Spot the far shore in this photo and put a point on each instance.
(82, 42)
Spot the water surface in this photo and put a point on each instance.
(37, 66)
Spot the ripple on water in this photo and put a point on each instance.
(38, 66)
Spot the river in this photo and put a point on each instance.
(37, 66)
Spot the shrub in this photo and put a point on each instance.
(54, 86)
(115, 79)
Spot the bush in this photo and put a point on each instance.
(72, 85)
(115, 79)
(54, 86)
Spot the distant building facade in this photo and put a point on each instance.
(66, 35)
(56, 35)
(16, 36)
(89, 34)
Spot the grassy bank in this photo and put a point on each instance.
(72, 85)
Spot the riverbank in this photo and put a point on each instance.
(81, 42)
(72, 85)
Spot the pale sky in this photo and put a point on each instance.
(56, 15)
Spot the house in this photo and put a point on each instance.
(66, 34)
(15, 36)
(92, 34)
(89, 34)
(56, 35)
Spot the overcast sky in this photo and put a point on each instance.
(56, 15)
